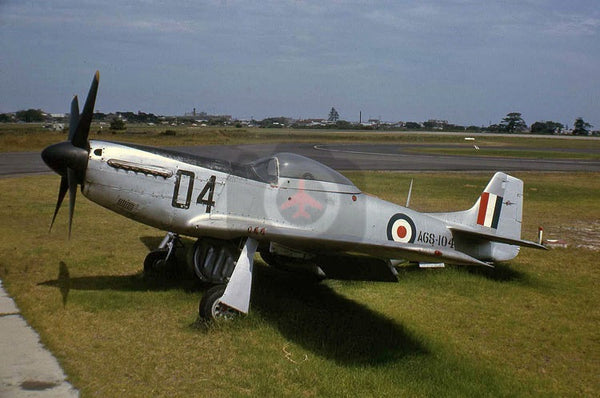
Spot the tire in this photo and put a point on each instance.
(155, 262)
(211, 308)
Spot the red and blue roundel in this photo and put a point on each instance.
(401, 228)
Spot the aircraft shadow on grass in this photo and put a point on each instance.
(314, 316)
(127, 283)
(310, 314)
(499, 273)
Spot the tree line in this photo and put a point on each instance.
(512, 123)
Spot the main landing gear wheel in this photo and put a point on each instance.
(163, 260)
(156, 262)
(211, 308)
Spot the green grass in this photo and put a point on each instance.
(32, 137)
(527, 328)
(21, 137)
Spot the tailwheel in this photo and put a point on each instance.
(211, 308)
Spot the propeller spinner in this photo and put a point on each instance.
(69, 158)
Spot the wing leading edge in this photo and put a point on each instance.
(304, 240)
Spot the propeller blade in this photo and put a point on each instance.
(72, 177)
(69, 159)
(74, 118)
(83, 127)
(64, 187)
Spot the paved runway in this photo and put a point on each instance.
(346, 157)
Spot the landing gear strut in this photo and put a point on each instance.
(228, 264)
(226, 301)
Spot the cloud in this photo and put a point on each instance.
(155, 25)
(95, 17)
(574, 25)
(282, 52)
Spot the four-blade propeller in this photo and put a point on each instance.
(69, 158)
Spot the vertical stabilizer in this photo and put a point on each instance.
(497, 211)
(491, 229)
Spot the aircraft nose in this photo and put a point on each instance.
(65, 155)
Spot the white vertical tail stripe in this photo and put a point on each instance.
(489, 213)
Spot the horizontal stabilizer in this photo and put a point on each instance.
(494, 238)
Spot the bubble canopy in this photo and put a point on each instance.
(291, 165)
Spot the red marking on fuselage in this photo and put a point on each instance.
(301, 199)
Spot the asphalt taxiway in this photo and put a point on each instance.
(397, 157)
(363, 156)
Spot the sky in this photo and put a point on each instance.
(466, 61)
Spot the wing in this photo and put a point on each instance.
(305, 240)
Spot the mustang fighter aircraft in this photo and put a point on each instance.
(296, 212)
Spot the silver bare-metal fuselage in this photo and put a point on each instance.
(296, 212)
(296, 207)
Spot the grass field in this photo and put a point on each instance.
(32, 137)
(527, 328)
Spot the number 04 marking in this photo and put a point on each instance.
(209, 189)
